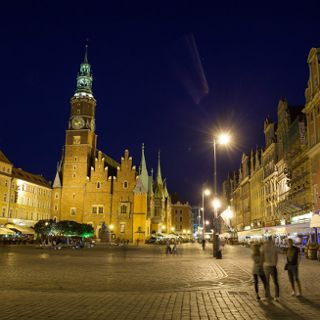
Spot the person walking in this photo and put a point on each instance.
(258, 270)
(269, 257)
(203, 242)
(168, 247)
(293, 259)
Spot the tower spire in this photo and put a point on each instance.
(143, 171)
(159, 177)
(85, 60)
(84, 78)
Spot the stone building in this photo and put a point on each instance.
(312, 112)
(256, 189)
(269, 160)
(181, 217)
(25, 198)
(91, 187)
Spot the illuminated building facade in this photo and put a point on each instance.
(181, 214)
(25, 198)
(91, 187)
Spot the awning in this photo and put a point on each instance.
(315, 221)
(301, 228)
(22, 230)
(5, 231)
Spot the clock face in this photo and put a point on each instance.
(92, 125)
(78, 123)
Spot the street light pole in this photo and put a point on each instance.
(223, 139)
(215, 240)
(202, 213)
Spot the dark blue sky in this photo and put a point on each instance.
(251, 58)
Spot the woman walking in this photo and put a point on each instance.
(292, 267)
(258, 269)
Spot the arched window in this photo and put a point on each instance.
(98, 185)
(123, 208)
(125, 184)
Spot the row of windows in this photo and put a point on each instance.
(23, 215)
(98, 209)
(98, 185)
(5, 170)
(33, 189)
(28, 201)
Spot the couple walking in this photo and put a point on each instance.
(265, 259)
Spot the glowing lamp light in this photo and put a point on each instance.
(224, 138)
(173, 228)
(163, 227)
(207, 222)
(207, 192)
(111, 227)
(184, 231)
(216, 203)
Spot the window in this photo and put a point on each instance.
(98, 185)
(78, 111)
(5, 197)
(76, 140)
(125, 184)
(74, 167)
(73, 175)
(73, 211)
(94, 209)
(123, 208)
(55, 207)
(6, 183)
(100, 209)
(10, 213)
(180, 219)
(122, 227)
(75, 158)
(73, 196)
(56, 195)
(3, 211)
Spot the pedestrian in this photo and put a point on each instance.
(203, 244)
(258, 269)
(168, 248)
(174, 249)
(269, 257)
(293, 259)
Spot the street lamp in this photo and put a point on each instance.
(222, 139)
(205, 192)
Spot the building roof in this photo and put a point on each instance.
(3, 158)
(30, 177)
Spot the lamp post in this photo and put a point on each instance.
(222, 139)
(205, 192)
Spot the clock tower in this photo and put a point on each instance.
(80, 145)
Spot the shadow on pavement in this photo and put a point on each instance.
(277, 310)
(309, 303)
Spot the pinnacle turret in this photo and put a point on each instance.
(143, 171)
(159, 177)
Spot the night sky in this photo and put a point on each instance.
(150, 83)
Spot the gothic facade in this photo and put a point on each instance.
(91, 187)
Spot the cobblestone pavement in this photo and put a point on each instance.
(144, 283)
